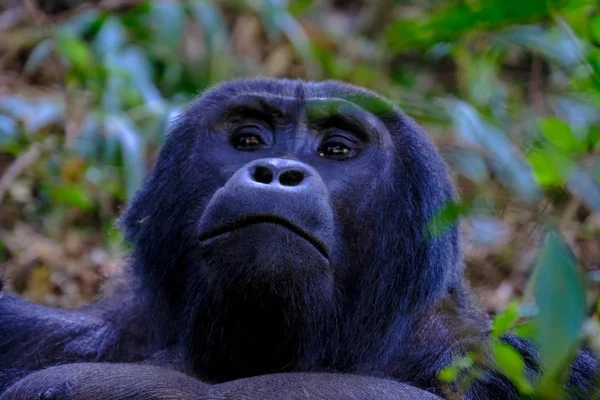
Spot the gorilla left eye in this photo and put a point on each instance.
(336, 150)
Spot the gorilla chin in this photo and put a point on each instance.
(273, 288)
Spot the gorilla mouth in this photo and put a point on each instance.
(267, 219)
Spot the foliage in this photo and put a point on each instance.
(511, 94)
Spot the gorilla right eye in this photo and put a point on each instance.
(247, 142)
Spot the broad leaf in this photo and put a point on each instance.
(559, 292)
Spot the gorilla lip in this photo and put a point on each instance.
(268, 219)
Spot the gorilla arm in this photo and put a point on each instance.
(106, 381)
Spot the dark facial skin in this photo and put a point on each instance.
(279, 253)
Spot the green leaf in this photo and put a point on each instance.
(550, 168)
(70, 195)
(595, 28)
(299, 7)
(448, 374)
(451, 372)
(526, 330)
(452, 22)
(444, 218)
(558, 288)
(560, 134)
(511, 363)
(74, 50)
(505, 320)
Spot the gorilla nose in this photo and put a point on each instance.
(276, 171)
(275, 191)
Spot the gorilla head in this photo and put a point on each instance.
(283, 227)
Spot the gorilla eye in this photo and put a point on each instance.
(337, 149)
(247, 139)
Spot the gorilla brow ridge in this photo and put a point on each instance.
(332, 111)
(248, 105)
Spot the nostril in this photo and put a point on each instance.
(262, 175)
(291, 178)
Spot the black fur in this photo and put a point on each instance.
(349, 283)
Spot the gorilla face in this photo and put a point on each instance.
(283, 225)
(296, 167)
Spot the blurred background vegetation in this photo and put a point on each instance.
(510, 91)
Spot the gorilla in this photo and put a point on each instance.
(279, 252)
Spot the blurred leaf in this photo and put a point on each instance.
(504, 321)
(550, 167)
(134, 61)
(553, 44)
(44, 112)
(451, 372)
(74, 51)
(588, 58)
(72, 195)
(217, 40)
(448, 374)
(452, 22)
(586, 188)
(560, 134)
(15, 106)
(8, 130)
(504, 156)
(132, 150)
(38, 56)
(299, 7)
(511, 363)
(480, 75)
(526, 330)
(110, 39)
(485, 230)
(579, 114)
(275, 16)
(166, 21)
(559, 293)
(444, 218)
(89, 140)
(82, 22)
(35, 114)
(595, 28)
